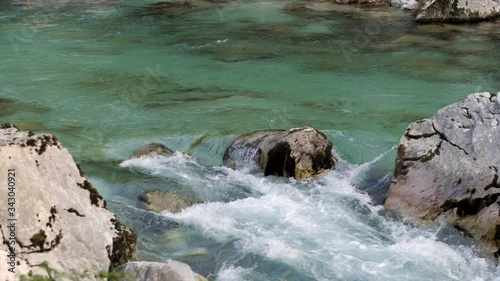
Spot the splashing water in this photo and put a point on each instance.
(321, 229)
(106, 79)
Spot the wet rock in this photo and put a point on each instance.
(299, 153)
(158, 201)
(170, 9)
(62, 219)
(381, 12)
(156, 271)
(447, 169)
(458, 11)
(152, 150)
(300, 8)
(10, 107)
(410, 40)
(7, 107)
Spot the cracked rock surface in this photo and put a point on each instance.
(458, 11)
(61, 218)
(299, 153)
(447, 169)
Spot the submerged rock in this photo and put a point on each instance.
(447, 169)
(458, 11)
(152, 150)
(157, 271)
(302, 8)
(299, 153)
(170, 9)
(61, 218)
(158, 201)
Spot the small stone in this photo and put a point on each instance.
(152, 150)
(158, 201)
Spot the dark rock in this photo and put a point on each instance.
(299, 153)
(170, 9)
(447, 169)
(318, 8)
(124, 245)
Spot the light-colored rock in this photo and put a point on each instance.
(405, 4)
(158, 201)
(373, 2)
(61, 218)
(299, 153)
(156, 271)
(447, 169)
(152, 150)
(458, 11)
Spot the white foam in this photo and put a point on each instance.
(361, 170)
(232, 273)
(155, 163)
(324, 229)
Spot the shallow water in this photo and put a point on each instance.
(109, 77)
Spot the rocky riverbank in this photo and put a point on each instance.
(446, 172)
(59, 216)
(431, 11)
(51, 214)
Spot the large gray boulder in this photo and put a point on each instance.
(299, 153)
(156, 271)
(447, 169)
(458, 11)
(60, 217)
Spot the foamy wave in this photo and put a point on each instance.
(324, 229)
(232, 273)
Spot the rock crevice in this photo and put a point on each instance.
(447, 169)
(300, 153)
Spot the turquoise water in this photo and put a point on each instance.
(107, 77)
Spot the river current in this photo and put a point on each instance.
(109, 76)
